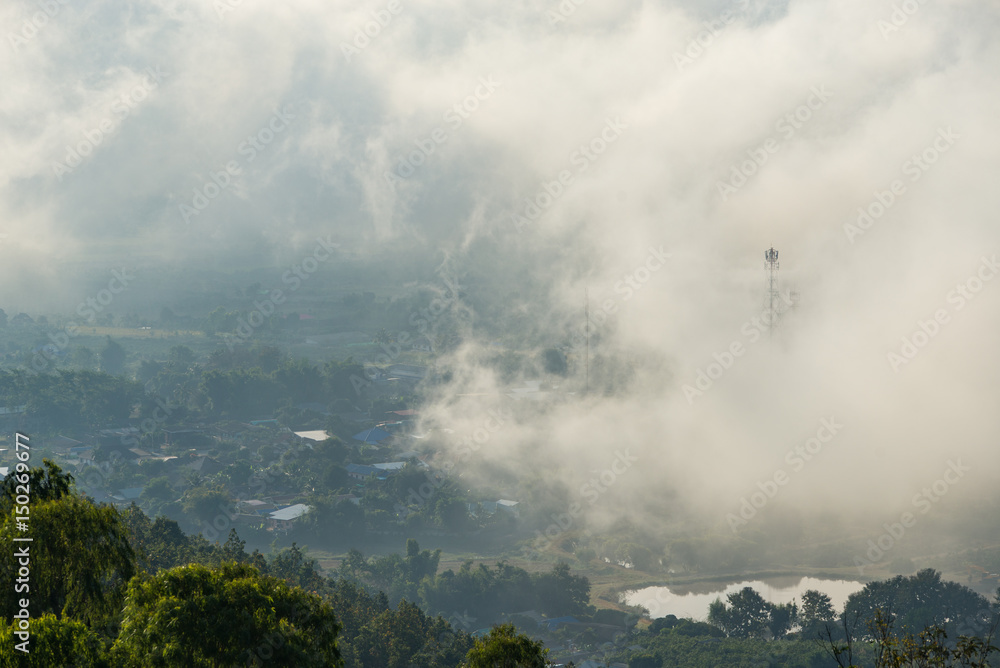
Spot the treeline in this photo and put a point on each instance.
(477, 595)
(109, 588)
(239, 384)
(920, 620)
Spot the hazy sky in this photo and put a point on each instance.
(209, 133)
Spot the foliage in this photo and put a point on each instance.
(376, 634)
(504, 647)
(252, 618)
(916, 602)
(53, 642)
(112, 358)
(80, 555)
(930, 648)
(485, 593)
(71, 399)
(45, 483)
(749, 615)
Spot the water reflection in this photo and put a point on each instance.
(692, 600)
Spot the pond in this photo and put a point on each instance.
(692, 600)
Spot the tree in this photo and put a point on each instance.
(504, 647)
(181, 358)
(645, 660)
(113, 358)
(816, 607)
(254, 620)
(747, 616)
(917, 602)
(783, 617)
(81, 559)
(554, 362)
(931, 647)
(560, 593)
(83, 357)
(53, 642)
(45, 483)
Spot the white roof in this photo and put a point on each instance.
(315, 435)
(389, 466)
(290, 512)
(506, 502)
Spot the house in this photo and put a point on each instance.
(554, 623)
(389, 467)
(408, 371)
(255, 507)
(187, 437)
(422, 344)
(118, 436)
(512, 507)
(86, 458)
(361, 471)
(206, 466)
(315, 435)
(62, 443)
(230, 430)
(372, 436)
(283, 518)
(491, 507)
(138, 455)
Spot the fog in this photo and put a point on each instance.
(552, 150)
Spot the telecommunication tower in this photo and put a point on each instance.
(771, 266)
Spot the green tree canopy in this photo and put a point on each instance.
(113, 358)
(80, 558)
(748, 614)
(504, 647)
(53, 642)
(253, 619)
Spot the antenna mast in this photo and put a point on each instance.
(771, 266)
